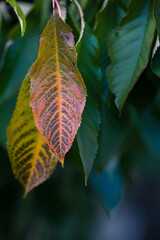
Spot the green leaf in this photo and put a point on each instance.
(111, 15)
(157, 15)
(155, 62)
(92, 6)
(20, 15)
(58, 92)
(72, 23)
(111, 131)
(129, 49)
(32, 160)
(89, 65)
(72, 13)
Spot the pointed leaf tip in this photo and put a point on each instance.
(88, 62)
(62, 162)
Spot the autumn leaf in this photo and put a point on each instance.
(58, 92)
(31, 159)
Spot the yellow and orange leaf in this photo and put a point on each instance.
(31, 159)
(58, 93)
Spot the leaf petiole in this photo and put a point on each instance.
(55, 2)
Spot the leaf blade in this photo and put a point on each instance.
(157, 15)
(89, 65)
(155, 62)
(19, 14)
(31, 159)
(59, 102)
(127, 64)
(111, 14)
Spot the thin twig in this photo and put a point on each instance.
(58, 6)
(82, 20)
(59, 9)
(53, 3)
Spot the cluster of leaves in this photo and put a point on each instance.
(116, 50)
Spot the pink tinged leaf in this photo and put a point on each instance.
(58, 93)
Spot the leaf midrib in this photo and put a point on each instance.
(58, 78)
